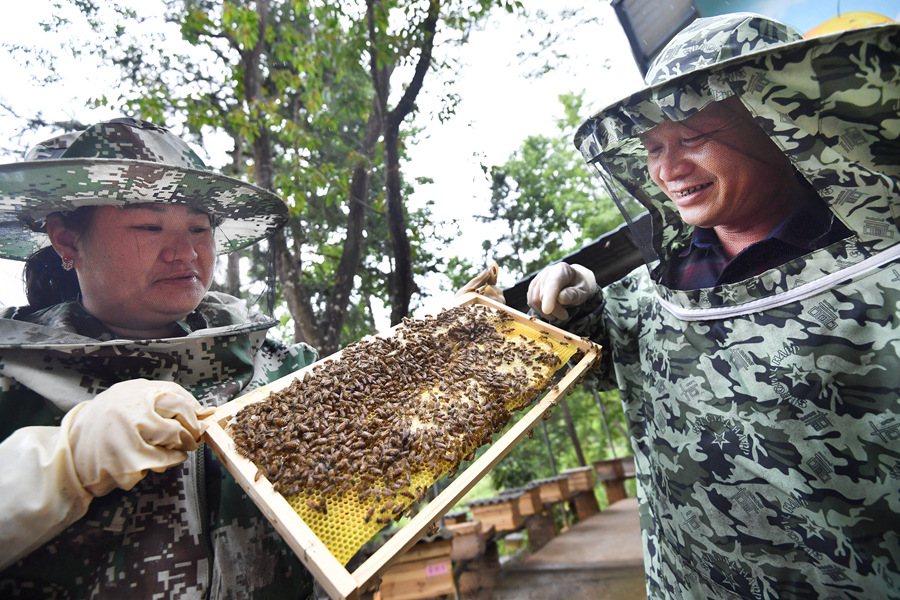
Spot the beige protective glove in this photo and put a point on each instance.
(49, 475)
(558, 286)
(132, 427)
(485, 283)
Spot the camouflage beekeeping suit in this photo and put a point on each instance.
(764, 414)
(188, 532)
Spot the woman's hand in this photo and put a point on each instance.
(558, 286)
(132, 427)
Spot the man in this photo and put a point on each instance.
(757, 352)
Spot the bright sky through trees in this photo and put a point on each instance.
(501, 104)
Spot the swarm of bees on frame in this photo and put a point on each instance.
(362, 437)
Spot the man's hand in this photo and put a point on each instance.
(485, 283)
(132, 427)
(558, 286)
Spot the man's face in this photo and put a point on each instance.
(719, 168)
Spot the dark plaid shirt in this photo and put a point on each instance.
(704, 263)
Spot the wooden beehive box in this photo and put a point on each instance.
(476, 579)
(612, 472)
(628, 469)
(554, 489)
(455, 518)
(335, 579)
(500, 512)
(468, 540)
(425, 571)
(541, 529)
(530, 501)
(585, 504)
(609, 469)
(580, 479)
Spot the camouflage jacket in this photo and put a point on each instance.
(189, 532)
(765, 414)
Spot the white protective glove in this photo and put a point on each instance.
(132, 427)
(50, 474)
(485, 283)
(558, 286)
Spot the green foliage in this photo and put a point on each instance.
(240, 23)
(546, 201)
(530, 459)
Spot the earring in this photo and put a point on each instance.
(68, 263)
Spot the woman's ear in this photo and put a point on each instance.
(64, 240)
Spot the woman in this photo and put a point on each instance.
(108, 371)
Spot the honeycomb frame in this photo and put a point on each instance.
(313, 551)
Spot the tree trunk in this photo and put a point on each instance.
(262, 142)
(570, 427)
(232, 285)
(288, 267)
(290, 274)
(336, 311)
(402, 289)
(403, 285)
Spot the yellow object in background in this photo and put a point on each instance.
(849, 20)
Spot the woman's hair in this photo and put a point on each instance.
(46, 282)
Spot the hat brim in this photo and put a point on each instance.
(661, 89)
(29, 191)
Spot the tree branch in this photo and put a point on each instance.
(406, 104)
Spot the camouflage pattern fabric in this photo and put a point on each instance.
(126, 161)
(765, 415)
(187, 533)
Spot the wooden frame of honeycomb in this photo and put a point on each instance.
(283, 501)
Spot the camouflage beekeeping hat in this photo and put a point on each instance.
(677, 81)
(715, 41)
(126, 161)
(703, 63)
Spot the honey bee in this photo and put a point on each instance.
(360, 427)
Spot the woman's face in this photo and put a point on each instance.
(143, 267)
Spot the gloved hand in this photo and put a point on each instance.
(133, 426)
(485, 283)
(558, 286)
(50, 474)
